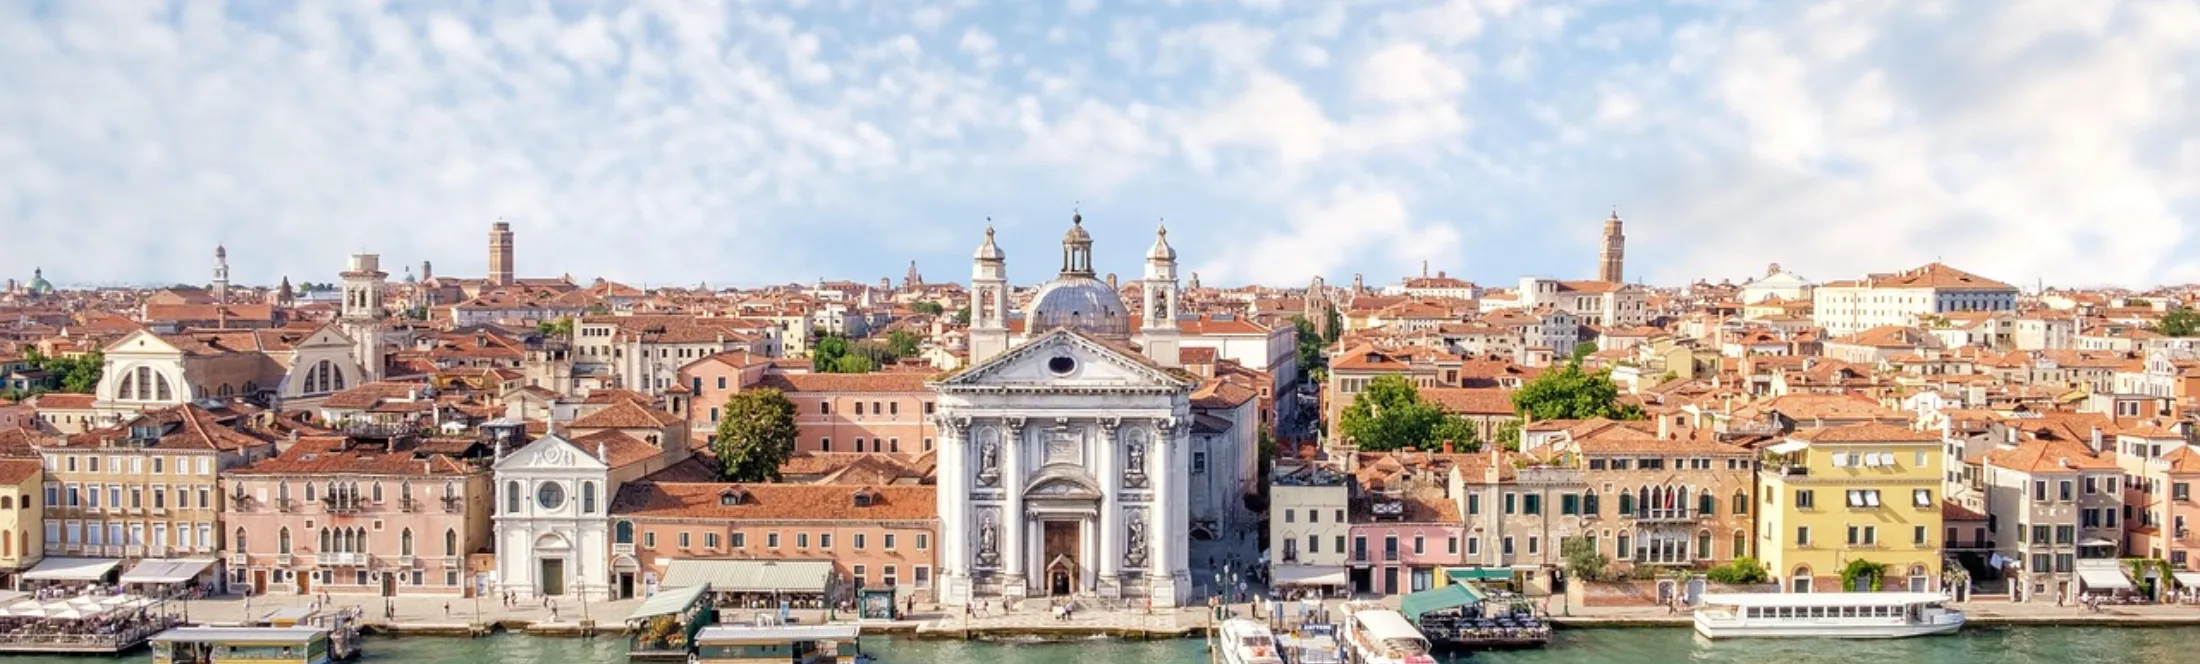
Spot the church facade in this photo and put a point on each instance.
(1063, 453)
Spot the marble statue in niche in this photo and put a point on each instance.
(989, 547)
(989, 457)
(1134, 551)
(1134, 454)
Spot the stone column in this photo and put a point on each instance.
(1107, 466)
(954, 509)
(1015, 543)
(1167, 517)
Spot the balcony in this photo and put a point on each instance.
(451, 562)
(342, 559)
(1664, 515)
(408, 504)
(407, 561)
(133, 551)
(454, 504)
(622, 549)
(285, 505)
(281, 559)
(339, 507)
(239, 560)
(1794, 471)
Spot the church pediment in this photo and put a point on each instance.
(552, 452)
(1062, 483)
(1063, 359)
(142, 341)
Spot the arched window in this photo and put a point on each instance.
(1741, 503)
(405, 542)
(588, 497)
(1706, 505)
(282, 540)
(450, 542)
(1741, 544)
(7, 502)
(377, 492)
(328, 541)
(1703, 545)
(162, 393)
(240, 540)
(622, 533)
(511, 497)
(128, 391)
(1626, 504)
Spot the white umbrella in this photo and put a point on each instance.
(68, 614)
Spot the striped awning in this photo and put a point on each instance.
(752, 576)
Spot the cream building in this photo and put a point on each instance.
(21, 518)
(1849, 307)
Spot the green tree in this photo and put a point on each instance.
(1508, 435)
(962, 316)
(1390, 414)
(755, 435)
(1583, 350)
(1332, 325)
(927, 307)
(562, 327)
(903, 343)
(826, 353)
(1583, 561)
(2179, 322)
(852, 364)
(1310, 345)
(1568, 393)
(78, 374)
(1743, 571)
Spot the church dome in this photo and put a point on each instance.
(1080, 303)
(39, 285)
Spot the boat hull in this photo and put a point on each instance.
(1824, 631)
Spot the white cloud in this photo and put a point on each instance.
(1407, 73)
(1323, 235)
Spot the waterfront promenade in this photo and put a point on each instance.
(1034, 619)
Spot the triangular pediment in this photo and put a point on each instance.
(142, 341)
(1065, 359)
(551, 452)
(326, 337)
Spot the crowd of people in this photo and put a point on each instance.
(121, 627)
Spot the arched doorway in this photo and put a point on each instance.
(1061, 577)
(1801, 580)
(551, 551)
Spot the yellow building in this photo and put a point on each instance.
(1833, 496)
(21, 516)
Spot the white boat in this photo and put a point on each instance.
(1249, 642)
(1863, 615)
(1377, 635)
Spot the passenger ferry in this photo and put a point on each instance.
(1249, 642)
(254, 645)
(1862, 615)
(1312, 643)
(1377, 635)
(778, 644)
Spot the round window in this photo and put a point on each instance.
(551, 495)
(1061, 365)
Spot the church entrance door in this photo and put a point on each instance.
(1061, 542)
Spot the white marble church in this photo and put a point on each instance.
(1063, 452)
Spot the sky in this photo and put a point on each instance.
(749, 143)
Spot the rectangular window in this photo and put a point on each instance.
(1419, 545)
(1922, 497)
(2092, 485)
(1510, 499)
(1917, 535)
(2063, 490)
(924, 541)
(1569, 504)
(771, 540)
(1290, 516)
(740, 540)
(710, 540)
(889, 542)
(1508, 545)
(1531, 504)
(1532, 542)
(1802, 535)
(1313, 516)
(2039, 491)
(1474, 503)
(801, 540)
(859, 541)
(684, 539)
(1804, 500)
(649, 540)
(1313, 544)
(824, 540)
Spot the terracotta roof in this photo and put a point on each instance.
(325, 455)
(15, 471)
(2044, 456)
(1869, 432)
(368, 395)
(63, 401)
(184, 427)
(1471, 401)
(626, 415)
(1950, 511)
(619, 449)
(783, 502)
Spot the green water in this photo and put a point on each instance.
(2032, 645)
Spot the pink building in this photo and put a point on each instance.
(1401, 541)
(871, 412)
(378, 512)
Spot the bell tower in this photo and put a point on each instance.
(1157, 332)
(221, 274)
(1612, 258)
(361, 313)
(988, 300)
(500, 253)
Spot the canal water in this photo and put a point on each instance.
(2017, 645)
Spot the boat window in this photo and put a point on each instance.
(1755, 612)
(1817, 612)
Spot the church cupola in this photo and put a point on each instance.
(1077, 248)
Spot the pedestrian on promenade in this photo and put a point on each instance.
(446, 609)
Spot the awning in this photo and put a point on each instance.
(1787, 447)
(751, 576)
(669, 602)
(1309, 575)
(164, 571)
(2187, 579)
(1437, 599)
(2104, 579)
(1467, 574)
(71, 569)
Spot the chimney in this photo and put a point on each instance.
(2095, 442)
(1448, 447)
(603, 452)
(1665, 428)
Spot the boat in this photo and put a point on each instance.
(1466, 616)
(1861, 615)
(778, 644)
(1374, 634)
(1312, 643)
(1249, 642)
(259, 645)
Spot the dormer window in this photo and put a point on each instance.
(865, 498)
(730, 497)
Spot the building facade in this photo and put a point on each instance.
(1836, 496)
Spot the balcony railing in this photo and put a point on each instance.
(283, 559)
(454, 504)
(342, 559)
(1390, 555)
(406, 561)
(408, 504)
(622, 549)
(451, 562)
(1667, 515)
(285, 505)
(339, 507)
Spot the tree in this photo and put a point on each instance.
(1583, 561)
(962, 316)
(562, 327)
(1508, 435)
(852, 364)
(1390, 414)
(1310, 344)
(903, 343)
(2179, 322)
(78, 374)
(1743, 571)
(1583, 350)
(1568, 393)
(755, 435)
(927, 307)
(826, 353)
(1332, 325)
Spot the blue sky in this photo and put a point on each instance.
(744, 143)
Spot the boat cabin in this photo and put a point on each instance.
(778, 644)
(242, 645)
